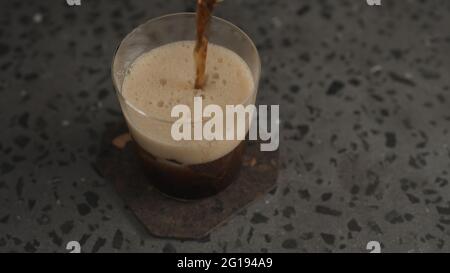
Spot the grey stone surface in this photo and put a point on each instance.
(364, 95)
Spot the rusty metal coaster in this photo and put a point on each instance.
(167, 217)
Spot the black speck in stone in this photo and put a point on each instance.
(66, 227)
(17, 241)
(30, 77)
(31, 246)
(303, 10)
(417, 162)
(83, 209)
(328, 238)
(289, 244)
(355, 82)
(258, 218)
(394, 217)
(19, 187)
(354, 189)
(429, 74)
(304, 194)
(44, 219)
(4, 219)
(374, 227)
(326, 196)
(55, 238)
(21, 141)
(4, 49)
(250, 234)
(408, 217)
(288, 211)
(412, 198)
(303, 129)
(397, 53)
(288, 227)
(23, 120)
(391, 140)
(335, 87)
(288, 125)
(328, 211)
(25, 20)
(372, 187)
(91, 198)
(99, 30)
(169, 248)
(354, 226)
(6, 168)
(98, 244)
(326, 13)
(307, 236)
(443, 210)
(117, 240)
(84, 238)
(294, 89)
(103, 93)
(262, 31)
(305, 57)
(401, 79)
(286, 42)
(442, 182)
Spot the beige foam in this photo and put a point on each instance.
(163, 78)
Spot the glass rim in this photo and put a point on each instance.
(153, 20)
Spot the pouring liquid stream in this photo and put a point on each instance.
(204, 12)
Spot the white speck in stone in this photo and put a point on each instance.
(277, 22)
(409, 76)
(37, 18)
(65, 123)
(99, 104)
(23, 93)
(376, 69)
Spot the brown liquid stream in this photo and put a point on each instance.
(204, 11)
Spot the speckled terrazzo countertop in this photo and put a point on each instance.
(365, 109)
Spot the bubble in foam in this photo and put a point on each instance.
(220, 60)
(160, 103)
(224, 82)
(163, 82)
(216, 76)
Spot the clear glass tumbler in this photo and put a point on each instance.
(164, 158)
